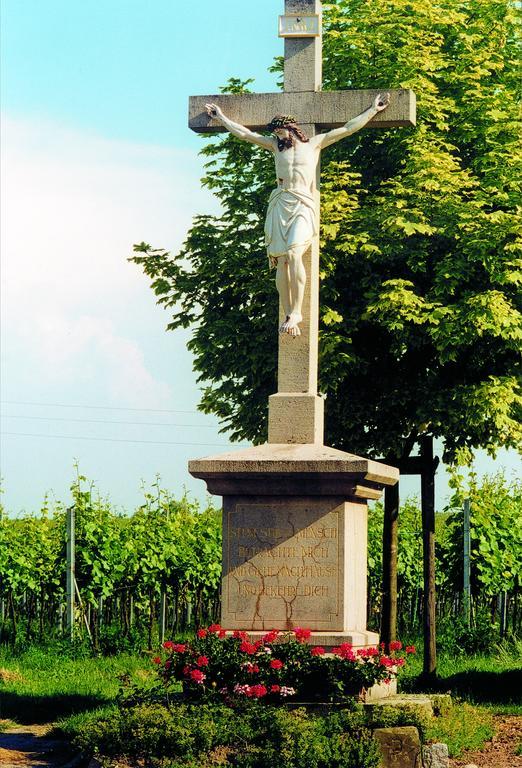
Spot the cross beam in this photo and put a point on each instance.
(324, 109)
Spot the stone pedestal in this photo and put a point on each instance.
(295, 538)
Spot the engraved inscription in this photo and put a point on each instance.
(282, 562)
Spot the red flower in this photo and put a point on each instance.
(276, 664)
(202, 661)
(400, 661)
(222, 634)
(197, 675)
(201, 633)
(247, 647)
(372, 651)
(156, 660)
(168, 645)
(387, 662)
(186, 671)
(168, 664)
(317, 651)
(302, 634)
(178, 648)
(270, 636)
(239, 634)
(275, 688)
(257, 691)
(215, 628)
(345, 652)
(410, 649)
(252, 669)
(395, 645)
(387, 680)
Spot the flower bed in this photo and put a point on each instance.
(281, 666)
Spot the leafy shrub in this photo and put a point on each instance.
(278, 666)
(248, 736)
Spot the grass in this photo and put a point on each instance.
(493, 680)
(42, 685)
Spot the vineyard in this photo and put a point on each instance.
(157, 571)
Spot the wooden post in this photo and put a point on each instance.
(467, 564)
(389, 564)
(69, 574)
(162, 616)
(428, 547)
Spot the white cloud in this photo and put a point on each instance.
(73, 205)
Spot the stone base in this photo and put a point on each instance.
(295, 536)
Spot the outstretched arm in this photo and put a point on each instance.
(352, 126)
(239, 130)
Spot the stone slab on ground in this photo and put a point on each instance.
(24, 746)
(400, 747)
(435, 756)
(416, 704)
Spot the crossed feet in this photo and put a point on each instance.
(291, 324)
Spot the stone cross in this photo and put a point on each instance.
(296, 411)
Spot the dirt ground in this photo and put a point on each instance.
(500, 752)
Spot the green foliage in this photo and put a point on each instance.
(249, 737)
(495, 529)
(420, 303)
(464, 727)
(123, 564)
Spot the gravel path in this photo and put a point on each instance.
(29, 745)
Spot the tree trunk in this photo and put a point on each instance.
(428, 547)
(389, 565)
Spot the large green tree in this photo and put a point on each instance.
(420, 309)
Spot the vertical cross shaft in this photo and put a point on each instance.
(296, 411)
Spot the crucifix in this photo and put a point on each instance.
(296, 411)
(294, 510)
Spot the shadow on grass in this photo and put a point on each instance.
(31, 708)
(477, 686)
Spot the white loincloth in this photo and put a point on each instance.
(285, 207)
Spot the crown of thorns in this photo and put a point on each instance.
(281, 121)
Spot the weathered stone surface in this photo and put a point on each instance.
(325, 109)
(417, 705)
(294, 562)
(435, 756)
(400, 747)
(295, 417)
(300, 469)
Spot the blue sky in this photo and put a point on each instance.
(96, 155)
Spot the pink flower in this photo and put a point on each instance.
(387, 662)
(410, 649)
(276, 664)
(202, 661)
(201, 633)
(395, 645)
(302, 634)
(317, 650)
(198, 676)
(156, 660)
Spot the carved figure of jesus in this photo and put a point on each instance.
(291, 219)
